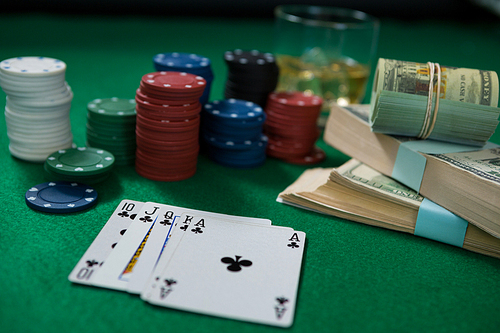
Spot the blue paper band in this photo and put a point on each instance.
(436, 223)
(409, 167)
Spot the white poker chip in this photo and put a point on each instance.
(37, 155)
(53, 117)
(47, 101)
(35, 132)
(17, 79)
(32, 66)
(37, 106)
(35, 109)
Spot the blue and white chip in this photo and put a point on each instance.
(61, 197)
(236, 110)
(179, 60)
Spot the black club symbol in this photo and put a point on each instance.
(293, 245)
(184, 227)
(169, 282)
(197, 230)
(123, 214)
(146, 219)
(281, 300)
(166, 222)
(235, 265)
(91, 263)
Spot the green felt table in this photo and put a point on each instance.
(355, 278)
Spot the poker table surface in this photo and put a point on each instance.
(354, 277)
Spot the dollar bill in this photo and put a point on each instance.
(363, 178)
(483, 163)
(457, 84)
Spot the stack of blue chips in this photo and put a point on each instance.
(188, 63)
(232, 133)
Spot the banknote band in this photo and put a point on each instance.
(429, 123)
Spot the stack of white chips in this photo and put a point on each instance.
(37, 106)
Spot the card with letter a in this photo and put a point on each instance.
(234, 270)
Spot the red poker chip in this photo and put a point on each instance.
(148, 148)
(174, 81)
(271, 151)
(316, 155)
(177, 133)
(296, 113)
(168, 123)
(167, 94)
(156, 144)
(284, 132)
(289, 151)
(293, 130)
(143, 98)
(167, 115)
(289, 117)
(145, 141)
(164, 105)
(296, 148)
(296, 98)
(170, 113)
(168, 162)
(155, 156)
(160, 175)
(167, 135)
(170, 98)
(281, 104)
(296, 123)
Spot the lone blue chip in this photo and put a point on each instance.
(61, 197)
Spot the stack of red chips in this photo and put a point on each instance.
(168, 123)
(291, 126)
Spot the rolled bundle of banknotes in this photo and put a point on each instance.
(405, 102)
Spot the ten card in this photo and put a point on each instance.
(106, 240)
(233, 270)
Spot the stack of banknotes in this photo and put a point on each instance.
(436, 102)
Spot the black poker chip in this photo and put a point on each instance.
(252, 75)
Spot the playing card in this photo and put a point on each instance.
(122, 264)
(106, 240)
(168, 247)
(233, 270)
(155, 246)
(115, 271)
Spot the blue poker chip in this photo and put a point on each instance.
(189, 63)
(235, 110)
(236, 143)
(180, 60)
(61, 197)
(236, 155)
(227, 132)
(235, 123)
(237, 163)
